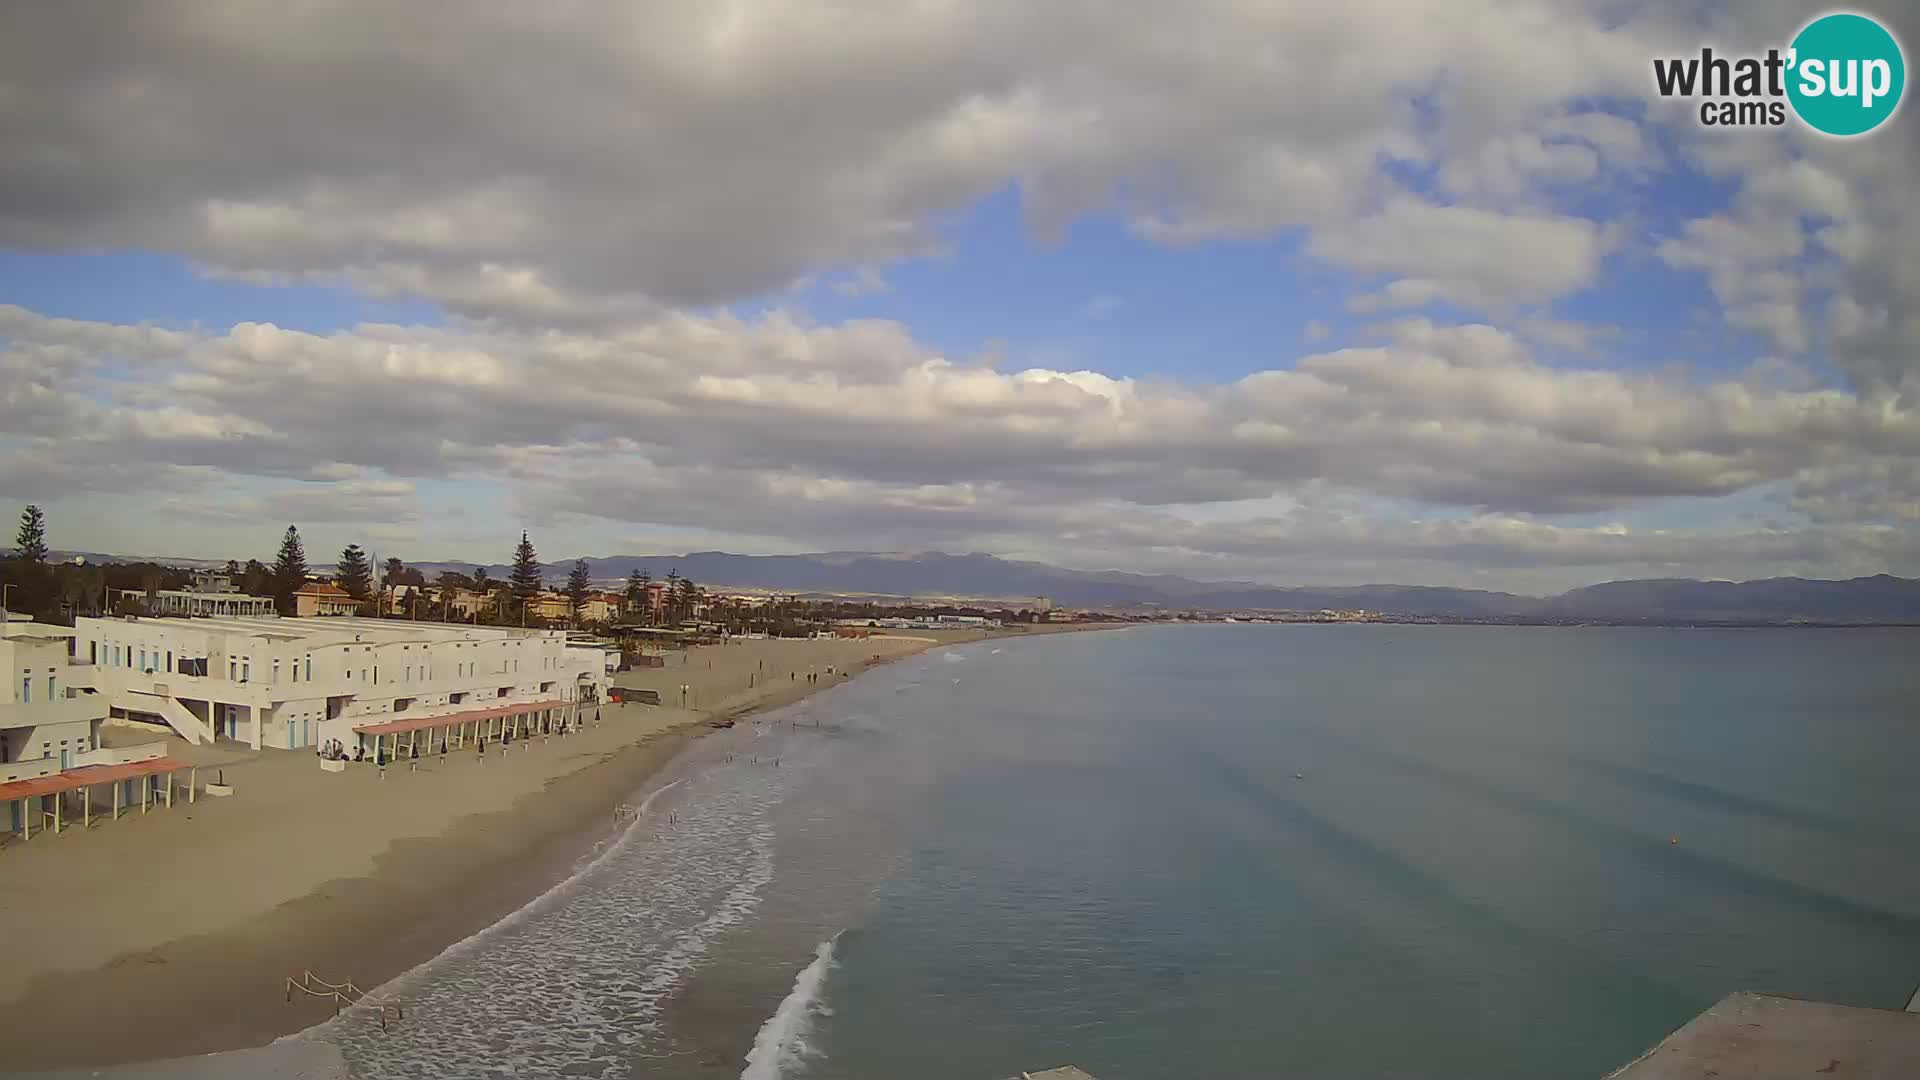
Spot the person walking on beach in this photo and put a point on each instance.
(481, 745)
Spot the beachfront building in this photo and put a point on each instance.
(49, 716)
(190, 603)
(466, 603)
(210, 594)
(602, 607)
(303, 682)
(548, 605)
(52, 765)
(318, 599)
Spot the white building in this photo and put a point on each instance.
(191, 602)
(291, 683)
(49, 717)
(210, 594)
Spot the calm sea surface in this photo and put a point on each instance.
(1243, 851)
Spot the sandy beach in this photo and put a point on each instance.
(172, 933)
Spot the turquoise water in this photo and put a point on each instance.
(1312, 851)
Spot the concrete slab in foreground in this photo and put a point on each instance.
(1755, 1037)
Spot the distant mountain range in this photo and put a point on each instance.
(1880, 599)
(930, 576)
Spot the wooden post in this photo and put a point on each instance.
(86, 807)
(193, 785)
(29, 807)
(146, 792)
(116, 800)
(170, 789)
(57, 815)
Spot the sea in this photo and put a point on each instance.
(1341, 851)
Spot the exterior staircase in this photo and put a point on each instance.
(162, 704)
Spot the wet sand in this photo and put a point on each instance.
(172, 933)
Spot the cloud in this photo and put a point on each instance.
(865, 282)
(642, 156)
(1477, 259)
(857, 434)
(588, 216)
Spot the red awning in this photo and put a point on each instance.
(419, 723)
(86, 776)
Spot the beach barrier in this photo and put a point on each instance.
(345, 996)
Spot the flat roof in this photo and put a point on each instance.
(1760, 1037)
(326, 630)
(86, 776)
(417, 723)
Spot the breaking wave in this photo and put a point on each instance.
(782, 1041)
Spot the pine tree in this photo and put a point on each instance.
(289, 569)
(689, 598)
(356, 574)
(395, 570)
(579, 584)
(30, 544)
(525, 577)
(636, 590)
(670, 600)
(233, 570)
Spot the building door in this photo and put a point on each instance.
(63, 759)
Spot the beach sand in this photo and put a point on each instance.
(172, 933)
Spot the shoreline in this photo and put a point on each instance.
(222, 988)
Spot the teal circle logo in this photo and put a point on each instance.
(1847, 74)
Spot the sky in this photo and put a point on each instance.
(1378, 291)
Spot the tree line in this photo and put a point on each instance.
(61, 591)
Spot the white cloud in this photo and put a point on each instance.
(643, 155)
(1474, 258)
(865, 282)
(645, 160)
(838, 433)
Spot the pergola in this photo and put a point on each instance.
(457, 729)
(31, 794)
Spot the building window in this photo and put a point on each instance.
(93, 652)
(169, 659)
(143, 659)
(309, 669)
(51, 695)
(233, 668)
(26, 691)
(276, 669)
(246, 670)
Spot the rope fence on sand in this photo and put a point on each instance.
(345, 995)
